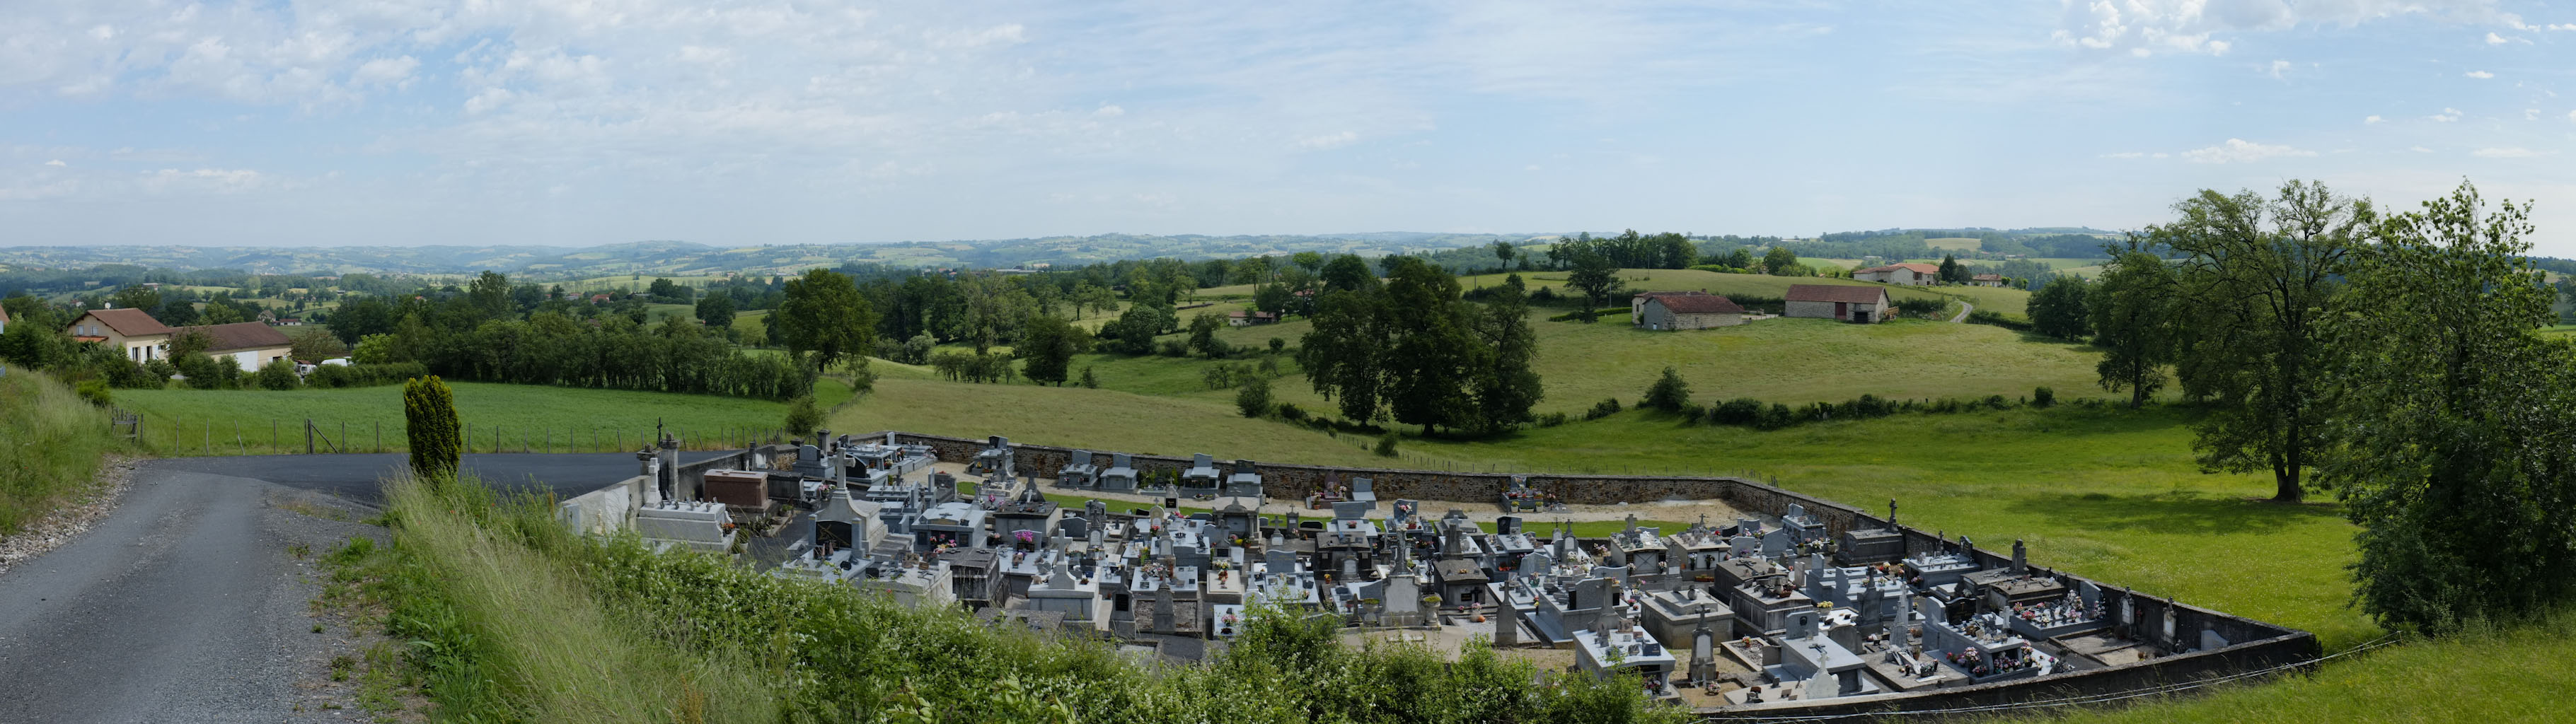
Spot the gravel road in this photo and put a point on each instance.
(187, 604)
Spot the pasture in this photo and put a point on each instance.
(503, 416)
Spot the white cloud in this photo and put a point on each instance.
(2447, 115)
(2494, 39)
(2562, 26)
(213, 180)
(56, 163)
(2146, 27)
(2419, 149)
(2531, 114)
(2479, 74)
(2510, 152)
(2571, 115)
(385, 71)
(1328, 141)
(2372, 120)
(2279, 67)
(2237, 150)
(1109, 112)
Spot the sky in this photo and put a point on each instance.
(581, 122)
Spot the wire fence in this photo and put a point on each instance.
(179, 436)
(2064, 701)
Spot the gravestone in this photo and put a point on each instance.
(1507, 525)
(1507, 627)
(1775, 543)
(2021, 558)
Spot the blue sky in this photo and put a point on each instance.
(576, 122)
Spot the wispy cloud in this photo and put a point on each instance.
(2372, 120)
(2237, 150)
(2479, 74)
(2511, 152)
(2447, 115)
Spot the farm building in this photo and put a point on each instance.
(1637, 304)
(248, 344)
(1689, 311)
(1834, 301)
(1915, 274)
(1987, 280)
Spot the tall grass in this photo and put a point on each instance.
(504, 626)
(51, 443)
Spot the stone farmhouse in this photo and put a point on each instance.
(1916, 274)
(1986, 280)
(1687, 311)
(247, 344)
(1833, 301)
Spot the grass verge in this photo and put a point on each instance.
(53, 443)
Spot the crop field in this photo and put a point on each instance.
(506, 416)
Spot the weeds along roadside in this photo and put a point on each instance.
(506, 616)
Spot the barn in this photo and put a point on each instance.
(1835, 301)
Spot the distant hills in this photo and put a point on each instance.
(678, 258)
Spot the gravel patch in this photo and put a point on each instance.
(66, 523)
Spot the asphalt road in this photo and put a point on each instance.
(185, 604)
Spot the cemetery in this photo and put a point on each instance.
(1788, 605)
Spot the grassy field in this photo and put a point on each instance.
(50, 446)
(2568, 329)
(1956, 243)
(1776, 360)
(524, 417)
(2499, 675)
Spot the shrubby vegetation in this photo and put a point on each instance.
(56, 439)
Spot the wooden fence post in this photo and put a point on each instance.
(308, 436)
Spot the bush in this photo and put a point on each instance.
(1579, 314)
(1290, 411)
(94, 392)
(1775, 417)
(2043, 397)
(1254, 399)
(1669, 393)
(277, 375)
(429, 416)
(1386, 445)
(1173, 348)
(1738, 411)
(1920, 307)
(803, 416)
(1089, 380)
(1693, 412)
(1605, 408)
(1552, 419)
(1991, 317)
(336, 376)
(1998, 402)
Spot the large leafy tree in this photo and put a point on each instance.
(716, 311)
(1048, 343)
(2058, 308)
(2133, 322)
(824, 316)
(2256, 279)
(1341, 354)
(2449, 425)
(1594, 274)
(1433, 353)
(1505, 386)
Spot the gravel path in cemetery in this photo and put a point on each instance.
(191, 600)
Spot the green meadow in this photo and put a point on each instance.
(504, 416)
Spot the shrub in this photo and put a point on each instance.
(1669, 393)
(336, 376)
(1998, 402)
(803, 416)
(1605, 408)
(1921, 307)
(1173, 348)
(1290, 411)
(2043, 397)
(1254, 399)
(1552, 419)
(1692, 413)
(1386, 445)
(1738, 411)
(1991, 317)
(1775, 417)
(1277, 344)
(429, 414)
(1089, 381)
(94, 392)
(277, 375)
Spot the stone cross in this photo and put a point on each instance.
(2021, 558)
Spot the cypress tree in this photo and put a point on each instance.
(429, 414)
